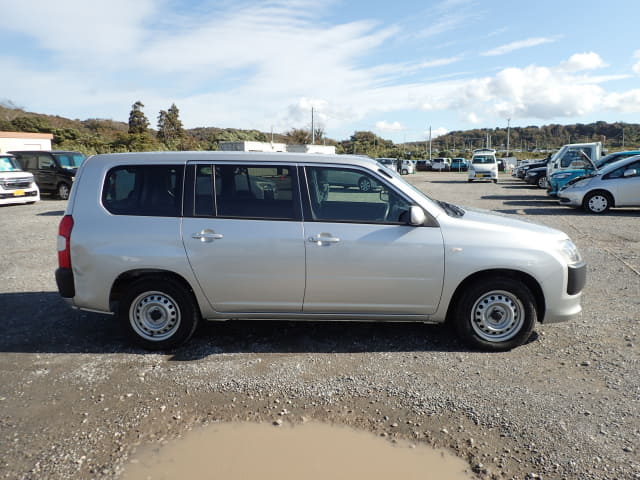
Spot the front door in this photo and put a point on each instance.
(362, 257)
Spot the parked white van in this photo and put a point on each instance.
(483, 166)
(165, 240)
(16, 185)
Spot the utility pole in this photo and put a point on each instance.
(508, 131)
(313, 129)
(429, 142)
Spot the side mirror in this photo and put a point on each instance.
(632, 172)
(384, 196)
(418, 216)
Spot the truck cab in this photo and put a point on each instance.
(571, 156)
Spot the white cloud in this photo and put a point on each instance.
(385, 126)
(437, 132)
(510, 47)
(583, 61)
(636, 66)
(627, 102)
(472, 118)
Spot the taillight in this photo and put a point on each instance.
(64, 241)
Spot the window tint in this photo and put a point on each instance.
(44, 161)
(152, 190)
(344, 195)
(245, 191)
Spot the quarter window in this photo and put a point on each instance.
(345, 195)
(151, 190)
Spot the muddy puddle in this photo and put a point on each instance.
(312, 451)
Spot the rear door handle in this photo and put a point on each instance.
(207, 235)
(324, 239)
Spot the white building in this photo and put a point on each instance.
(24, 141)
(274, 147)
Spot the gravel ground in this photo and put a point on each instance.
(76, 400)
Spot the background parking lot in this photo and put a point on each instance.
(76, 400)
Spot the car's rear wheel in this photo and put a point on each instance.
(159, 313)
(495, 314)
(63, 191)
(405, 172)
(597, 202)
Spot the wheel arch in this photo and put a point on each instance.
(531, 283)
(601, 191)
(119, 287)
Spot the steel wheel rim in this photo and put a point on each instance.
(598, 203)
(542, 182)
(155, 316)
(365, 185)
(497, 316)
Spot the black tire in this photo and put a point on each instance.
(364, 184)
(159, 313)
(597, 202)
(495, 180)
(470, 180)
(542, 182)
(495, 314)
(63, 191)
(405, 172)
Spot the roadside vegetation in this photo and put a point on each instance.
(97, 135)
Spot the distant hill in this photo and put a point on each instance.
(97, 135)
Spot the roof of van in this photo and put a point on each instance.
(216, 156)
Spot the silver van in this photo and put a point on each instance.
(165, 240)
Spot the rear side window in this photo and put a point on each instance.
(147, 190)
(245, 191)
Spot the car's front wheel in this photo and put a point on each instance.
(364, 184)
(495, 314)
(159, 313)
(542, 182)
(597, 202)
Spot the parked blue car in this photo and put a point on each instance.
(560, 179)
(459, 165)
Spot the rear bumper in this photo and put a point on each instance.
(64, 280)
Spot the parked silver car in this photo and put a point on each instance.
(615, 185)
(164, 240)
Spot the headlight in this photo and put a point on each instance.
(580, 183)
(560, 176)
(570, 252)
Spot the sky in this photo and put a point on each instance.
(397, 68)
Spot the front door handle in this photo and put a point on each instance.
(324, 239)
(207, 235)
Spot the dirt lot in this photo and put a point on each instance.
(76, 400)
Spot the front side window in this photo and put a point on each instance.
(619, 172)
(150, 190)
(245, 191)
(346, 195)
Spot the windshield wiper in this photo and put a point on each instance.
(451, 209)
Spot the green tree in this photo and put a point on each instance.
(138, 122)
(298, 136)
(170, 129)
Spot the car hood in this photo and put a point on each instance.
(498, 225)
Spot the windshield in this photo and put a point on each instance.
(483, 159)
(8, 164)
(70, 160)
